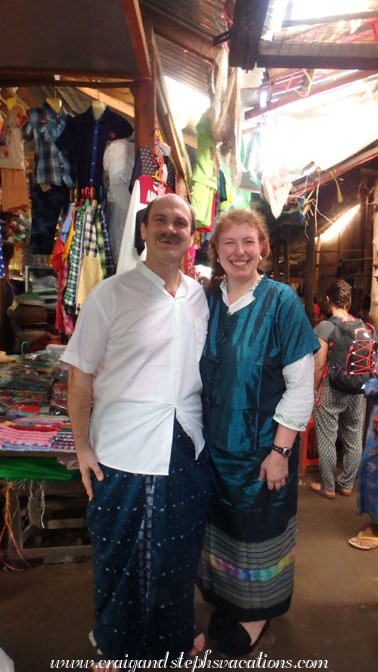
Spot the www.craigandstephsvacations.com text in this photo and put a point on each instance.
(198, 662)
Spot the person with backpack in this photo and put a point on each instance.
(344, 362)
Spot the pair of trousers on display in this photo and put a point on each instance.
(47, 205)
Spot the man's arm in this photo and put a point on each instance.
(80, 392)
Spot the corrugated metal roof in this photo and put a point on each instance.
(203, 16)
(183, 66)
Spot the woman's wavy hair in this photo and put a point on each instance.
(225, 221)
(339, 293)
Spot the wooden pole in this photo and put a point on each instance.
(309, 272)
(374, 283)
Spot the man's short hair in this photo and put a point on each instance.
(146, 214)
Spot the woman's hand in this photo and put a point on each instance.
(275, 469)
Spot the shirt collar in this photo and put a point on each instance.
(157, 280)
(223, 288)
(51, 112)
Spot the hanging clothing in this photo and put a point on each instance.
(118, 167)
(51, 164)
(146, 533)
(145, 190)
(247, 565)
(11, 141)
(14, 191)
(146, 164)
(205, 176)
(84, 140)
(48, 204)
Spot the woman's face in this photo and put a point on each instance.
(239, 252)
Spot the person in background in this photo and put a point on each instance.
(335, 410)
(257, 372)
(136, 349)
(367, 482)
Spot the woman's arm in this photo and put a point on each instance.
(320, 362)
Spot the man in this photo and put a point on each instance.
(140, 453)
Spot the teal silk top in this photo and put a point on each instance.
(242, 376)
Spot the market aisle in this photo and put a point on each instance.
(46, 613)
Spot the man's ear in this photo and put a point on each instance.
(143, 230)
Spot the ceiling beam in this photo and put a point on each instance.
(134, 23)
(178, 33)
(113, 102)
(335, 18)
(351, 56)
(249, 18)
(306, 184)
(293, 97)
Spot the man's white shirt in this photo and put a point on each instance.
(145, 346)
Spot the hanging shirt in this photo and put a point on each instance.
(84, 140)
(11, 142)
(51, 165)
(145, 346)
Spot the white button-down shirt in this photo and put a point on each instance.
(145, 346)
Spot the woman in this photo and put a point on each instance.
(334, 409)
(257, 372)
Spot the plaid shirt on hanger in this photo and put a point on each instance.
(107, 261)
(51, 165)
(74, 259)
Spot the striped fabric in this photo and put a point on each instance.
(249, 575)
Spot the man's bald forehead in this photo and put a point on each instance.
(172, 198)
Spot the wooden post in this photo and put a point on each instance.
(309, 272)
(374, 282)
(145, 100)
(286, 252)
(276, 260)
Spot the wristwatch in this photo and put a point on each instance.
(285, 452)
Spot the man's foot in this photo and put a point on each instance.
(198, 645)
(366, 540)
(317, 487)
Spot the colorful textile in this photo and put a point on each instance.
(69, 297)
(367, 483)
(37, 469)
(248, 560)
(146, 534)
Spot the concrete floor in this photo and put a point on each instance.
(46, 612)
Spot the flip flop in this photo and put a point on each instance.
(346, 492)
(328, 494)
(363, 537)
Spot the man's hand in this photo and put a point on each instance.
(87, 464)
(275, 469)
(375, 421)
